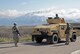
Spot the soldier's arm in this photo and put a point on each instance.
(12, 29)
(18, 31)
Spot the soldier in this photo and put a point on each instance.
(56, 17)
(67, 34)
(15, 34)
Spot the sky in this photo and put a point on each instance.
(37, 4)
(10, 9)
(21, 7)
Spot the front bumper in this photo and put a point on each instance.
(39, 36)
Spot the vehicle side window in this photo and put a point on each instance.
(62, 27)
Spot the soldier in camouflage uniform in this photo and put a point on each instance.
(56, 17)
(15, 34)
(67, 34)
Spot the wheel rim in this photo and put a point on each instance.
(55, 38)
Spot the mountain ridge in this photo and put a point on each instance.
(36, 18)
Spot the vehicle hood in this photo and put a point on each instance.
(46, 26)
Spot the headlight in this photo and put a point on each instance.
(47, 30)
(34, 30)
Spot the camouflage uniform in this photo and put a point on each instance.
(67, 34)
(15, 35)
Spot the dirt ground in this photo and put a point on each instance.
(43, 48)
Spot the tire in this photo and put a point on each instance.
(73, 38)
(33, 38)
(59, 40)
(54, 39)
(39, 40)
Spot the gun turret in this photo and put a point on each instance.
(54, 20)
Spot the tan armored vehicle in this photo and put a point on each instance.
(53, 32)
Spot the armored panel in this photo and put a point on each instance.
(51, 20)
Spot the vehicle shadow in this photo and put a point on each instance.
(61, 43)
(35, 44)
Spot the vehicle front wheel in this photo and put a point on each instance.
(39, 40)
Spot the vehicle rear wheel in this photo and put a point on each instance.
(54, 39)
(73, 38)
(39, 40)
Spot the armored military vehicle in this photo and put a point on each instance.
(53, 31)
